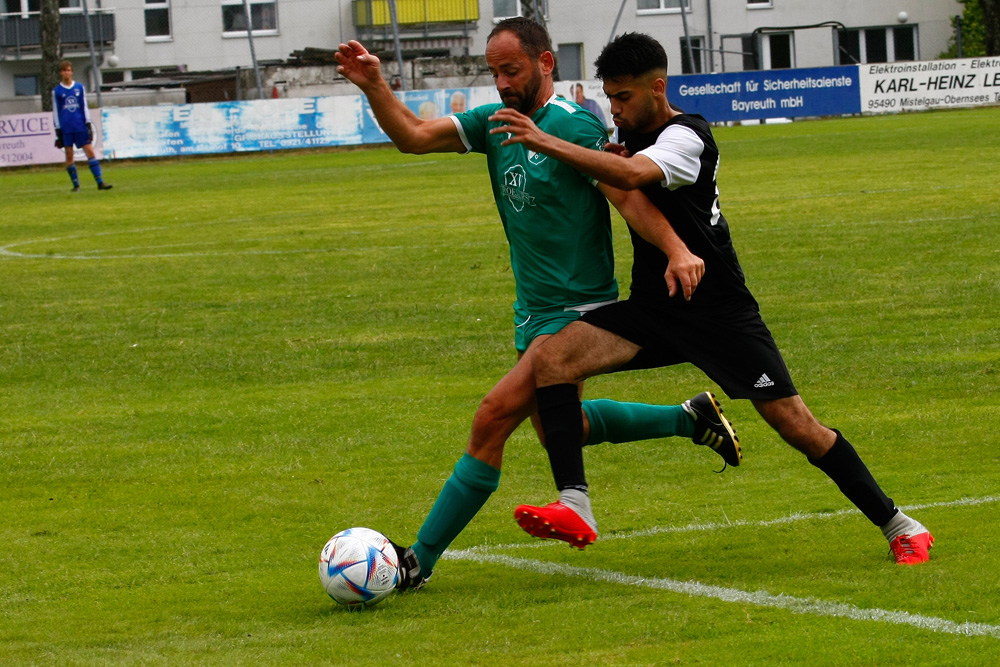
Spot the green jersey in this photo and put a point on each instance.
(556, 220)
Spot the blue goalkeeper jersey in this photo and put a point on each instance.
(69, 107)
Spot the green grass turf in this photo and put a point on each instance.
(209, 370)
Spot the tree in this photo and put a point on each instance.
(51, 50)
(980, 30)
(991, 26)
(528, 10)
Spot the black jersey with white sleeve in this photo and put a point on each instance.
(688, 196)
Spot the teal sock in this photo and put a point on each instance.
(463, 495)
(614, 421)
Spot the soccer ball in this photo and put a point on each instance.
(358, 567)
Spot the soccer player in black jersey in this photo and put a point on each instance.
(672, 157)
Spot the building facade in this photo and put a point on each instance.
(135, 39)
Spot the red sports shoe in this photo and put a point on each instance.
(912, 549)
(557, 521)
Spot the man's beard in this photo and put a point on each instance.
(526, 103)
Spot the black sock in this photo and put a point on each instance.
(562, 424)
(843, 465)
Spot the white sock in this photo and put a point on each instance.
(902, 525)
(579, 502)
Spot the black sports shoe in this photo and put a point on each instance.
(104, 186)
(409, 569)
(712, 429)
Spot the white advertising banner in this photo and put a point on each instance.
(29, 138)
(914, 86)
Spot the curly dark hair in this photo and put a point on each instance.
(630, 55)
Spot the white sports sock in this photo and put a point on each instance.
(579, 502)
(902, 525)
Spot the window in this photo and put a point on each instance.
(24, 7)
(108, 77)
(660, 6)
(779, 51)
(904, 43)
(695, 51)
(570, 61)
(26, 84)
(876, 45)
(849, 47)
(759, 4)
(157, 19)
(505, 9)
(750, 56)
(263, 17)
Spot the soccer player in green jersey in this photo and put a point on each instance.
(673, 157)
(558, 225)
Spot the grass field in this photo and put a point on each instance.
(211, 369)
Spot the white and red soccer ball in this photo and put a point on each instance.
(358, 567)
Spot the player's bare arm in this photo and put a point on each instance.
(625, 173)
(685, 269)
(409, 133)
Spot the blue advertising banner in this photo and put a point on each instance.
(263, 125)
(224, 127)
(821, 91)
(428, 104)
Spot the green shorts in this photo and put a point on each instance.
(529, 326)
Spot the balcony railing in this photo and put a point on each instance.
(19, 33)
(415, 14)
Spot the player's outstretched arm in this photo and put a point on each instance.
(409, 133)
(607, 167)
(685, 269)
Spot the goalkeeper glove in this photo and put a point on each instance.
(59, 141)
(90, 132)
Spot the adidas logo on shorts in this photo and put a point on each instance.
(764, 381)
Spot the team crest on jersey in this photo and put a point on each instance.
(536, 158)
(71, 104)
(514, 181)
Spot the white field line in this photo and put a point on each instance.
(742, 523)
(796, 605)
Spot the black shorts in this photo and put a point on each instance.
(731, 345)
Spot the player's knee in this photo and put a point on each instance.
(805, 435)
(494, 415)
(548, 365)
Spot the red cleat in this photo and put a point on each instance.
(556, 521)
(912, 549)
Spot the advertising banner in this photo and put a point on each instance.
(223, 127)
(256, 125)
(428, 104)
(820, 91)
(895, 87)
(303, 122)
(29, 138)
(589, 95)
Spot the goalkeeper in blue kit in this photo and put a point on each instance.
(73, 126)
